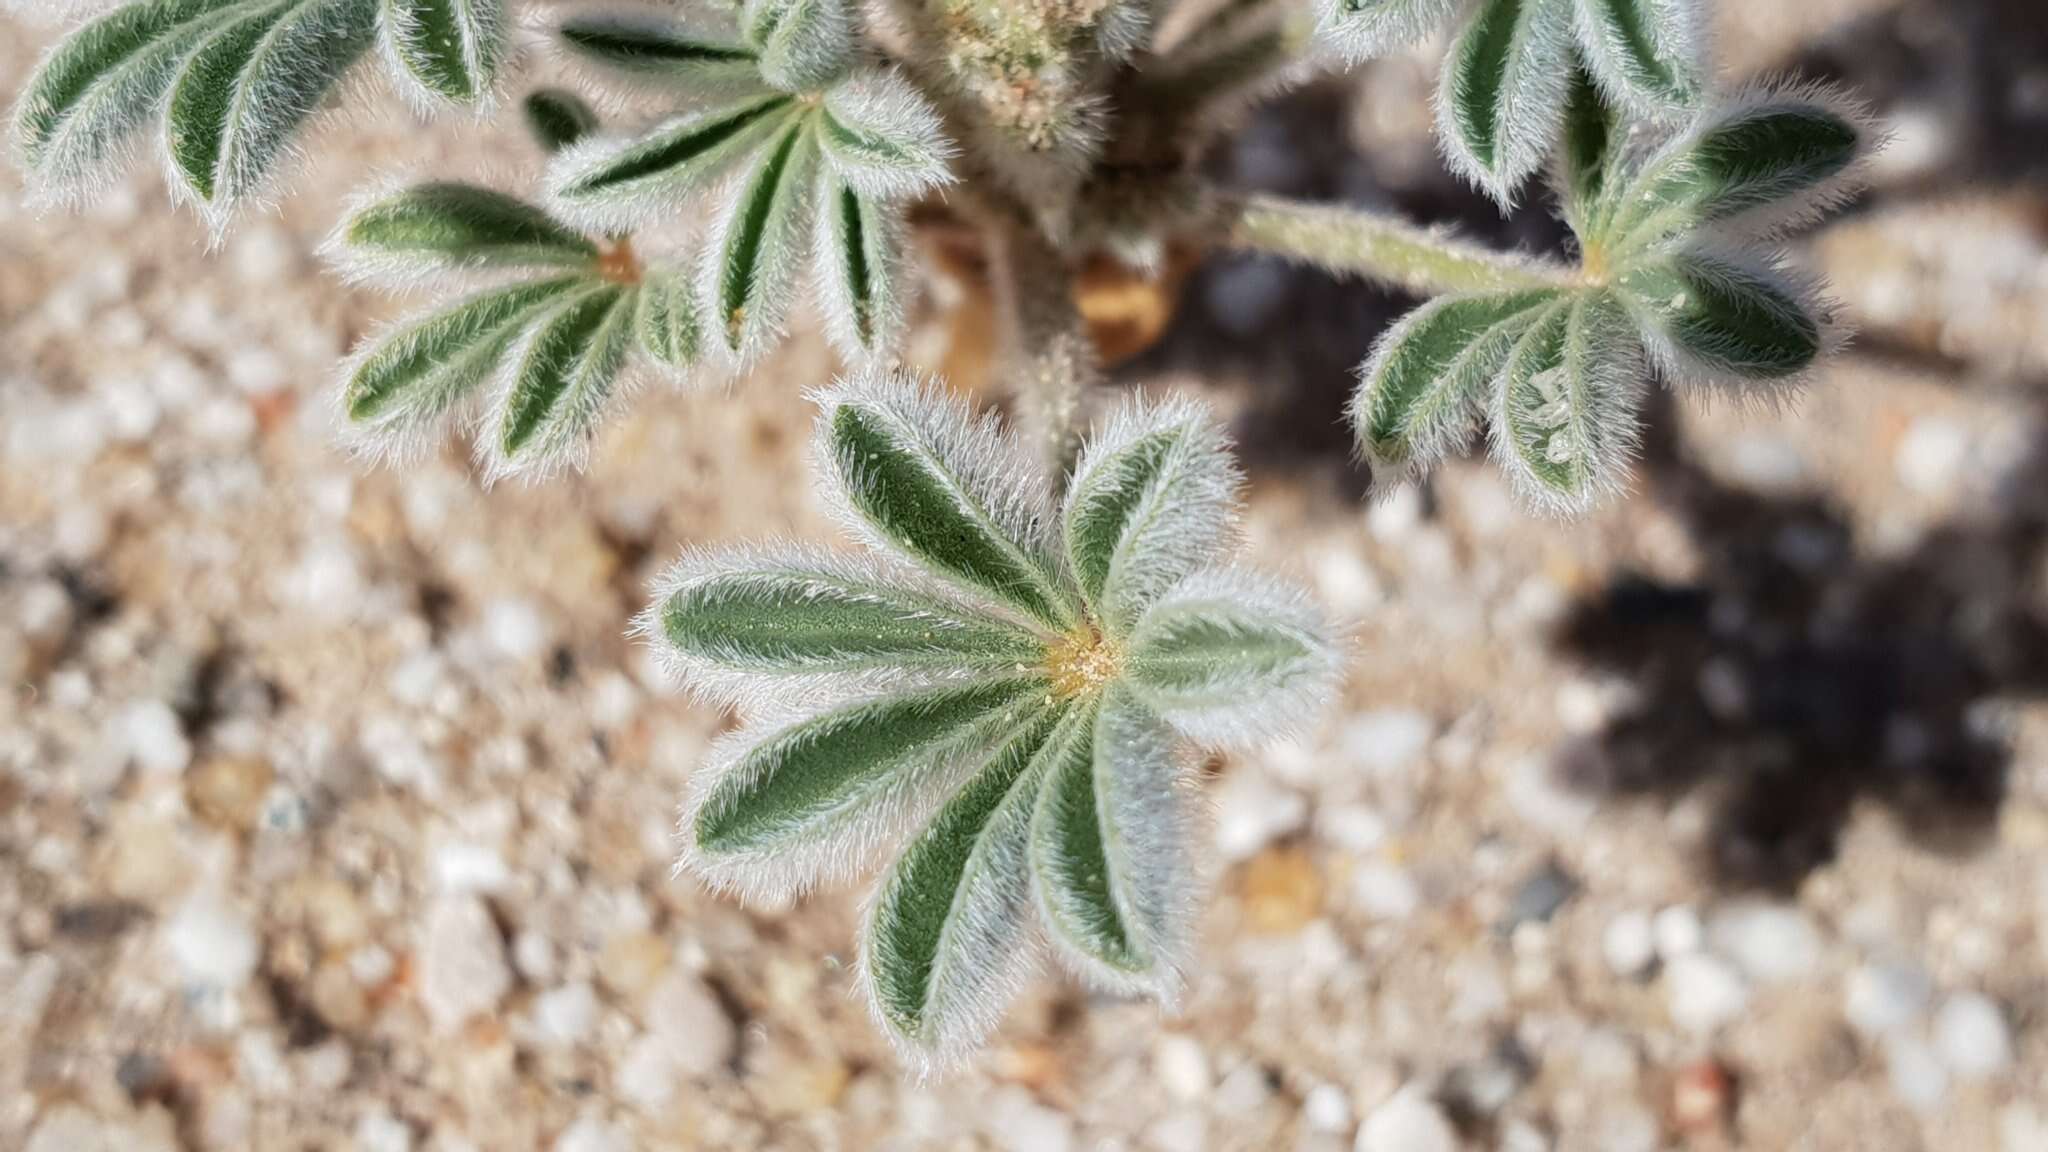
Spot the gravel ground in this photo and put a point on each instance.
(335, 810)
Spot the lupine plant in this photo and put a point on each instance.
(1000, 707)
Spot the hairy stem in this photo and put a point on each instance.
(1048, 355)
(1385, 249)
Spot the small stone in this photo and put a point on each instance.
(1972, 1037)
(632, 963)
(1185, 1130)
(1244, 1091)
(688, 1016)
(212, 943)
(1702, 1097)
(1019, 1123)
(1182, 1066)
(1626, 1127)
(1705, 992)
(591, 1134)
(565, 1017)
(1282, 892)
(1327, 1109)
(516, 629)
(2022, 1127)
(1932, 454)
(1538, 898)
(463, 867)
(1252, 812)
(70, 1128)
(155, 738)
(1629, 944)
(1678, 931)
(1386, 743)
(1355, 828)
(228, 791)
(463, 972)
(1882, 1000)
(1410, 1122)
(1771, 943)
(379, 1131)
(1917, 1077)
(534, 956)
(1479, 1090)
(1522, 1136)
(1385, 892)
(1543, 801)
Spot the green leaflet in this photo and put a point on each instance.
(908, 492)
(557, 118)
(1567, 407)
(1217, 652)
(1104, 839)
(1419, 391)
(883, 138)
(859, 269)
(793, 618)
(424, 369)
(1590, 158)
(680, 156)
(667, 322)
(570, 363)
(803, 44)
(651, 48)
(1142, 514)
(1643, 49)
(99, 85)
(1748, 157)
(1717, 316)
(251, 84)
(760, 248)
(462, 224)
(1503, 83)
(1362, 29)
(793, 785)
(449, 48)
(953, 911)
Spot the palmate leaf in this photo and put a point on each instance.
(738, 625)
(1108, 843)
(913, 474)
(803, 44)
(774, 815)
(1714, 319)
(667, 325)
(1426, 382)
(1565, 421)
(858, 269)
(449, 49)
(1503, 84)
(619, 185)
(950, 931)
(1363, 29)
(761, 242)
(1647, 52)
(399, 386)
(447, 226)
(883, 138)
(566, 371)
(1232, 659)
(557, 118)
(1150, 502)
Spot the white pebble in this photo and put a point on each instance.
(1972, 1037)
(462, 960)
(1918, 1079)
(1355, 828)
(155, 738)
(1772, 943)
(1385, 892)
(1543, 802)
(1184, 1130)
(565, 1017)
(696, 1035)
(211, 943)
(591, 1135)
(1409, 1122)
(1884, 999)
(379, 1131)
(1252, 812)
(1326, 1108)
(1182, 1066)
(516, 628)
(1629, 943)
(462, 867)
(1678, 931)
(1705, 992)
(1019, 1123)
(1386, 743)
(1932, 454)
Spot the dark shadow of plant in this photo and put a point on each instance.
(1798, 678)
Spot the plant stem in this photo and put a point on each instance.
(1048, 355)
(1391, 251)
